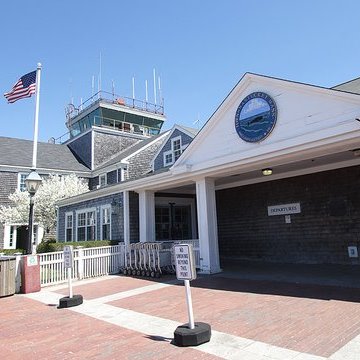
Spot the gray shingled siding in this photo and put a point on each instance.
(134, 216)
(111, 177)
(93, 183)
(108, 145)
(8, 184)
(140, 163)
(159, 160)
(81, 148)
(117, 223)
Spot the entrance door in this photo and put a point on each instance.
(173, 222)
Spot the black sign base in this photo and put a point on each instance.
(183, 336)
(66, 301)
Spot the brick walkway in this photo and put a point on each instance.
(129, 318)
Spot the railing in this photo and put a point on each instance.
(88, 262)
(71, 111)
(93, 262)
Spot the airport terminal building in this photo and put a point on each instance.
(272, 176)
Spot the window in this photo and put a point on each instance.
(68, 227)
(168, 159)
(102, 180)
(172, 155)
(106, 222)
(86, 225)
(21, 181)
(176, 147)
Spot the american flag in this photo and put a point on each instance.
(25, 87)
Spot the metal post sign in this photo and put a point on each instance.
(184, 262)
(68, 256)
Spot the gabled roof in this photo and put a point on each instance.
(256, 82)
(186, 130)
(18, 153)
(352, 86)
(132, 150)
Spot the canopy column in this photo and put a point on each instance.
(207, 226)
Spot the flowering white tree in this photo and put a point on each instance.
(52, 189)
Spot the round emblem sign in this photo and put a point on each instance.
(255, 117)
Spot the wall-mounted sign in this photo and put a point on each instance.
(255, 117)
(285, 209)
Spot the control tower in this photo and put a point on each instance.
(126, 115)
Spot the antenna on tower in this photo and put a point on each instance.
(160, 95)
(133, 90)
(71, 91)
(99, 80)
(113, 89)
(154, 86)
(92, 86)
(146, 92)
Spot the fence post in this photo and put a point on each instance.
(18, 260)
(80, 260)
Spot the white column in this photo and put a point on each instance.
(146, 216)
(207, 226)
(126, 218)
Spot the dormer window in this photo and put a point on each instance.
(102, 180)
(172, 155)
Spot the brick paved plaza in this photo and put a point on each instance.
(130, 318)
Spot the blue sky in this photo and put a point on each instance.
(200, 49)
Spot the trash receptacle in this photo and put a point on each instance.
(7, 275)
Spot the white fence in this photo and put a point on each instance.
(93, 262)
(88, 262)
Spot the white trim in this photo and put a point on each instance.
(104, 176)
(68, 213)
(126, 217)
(44, 171)
(171, 131)
(239, 90)
(165, 153)
(19, 180)
(92, 167)
(172, 150)
(81, 211)
(311, 170)
(7, 229)
(103, 207)
(108, 169)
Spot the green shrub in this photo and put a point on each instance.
(51, 246)
(12, 251)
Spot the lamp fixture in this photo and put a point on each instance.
(267, 171)
(33, 182)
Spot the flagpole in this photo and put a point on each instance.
(36, 120)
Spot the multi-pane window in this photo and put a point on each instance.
(105, 222)
(168, 159)
(21, 181)
(68, 227)
(176, 147)
(86, 225)
(172, 155)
